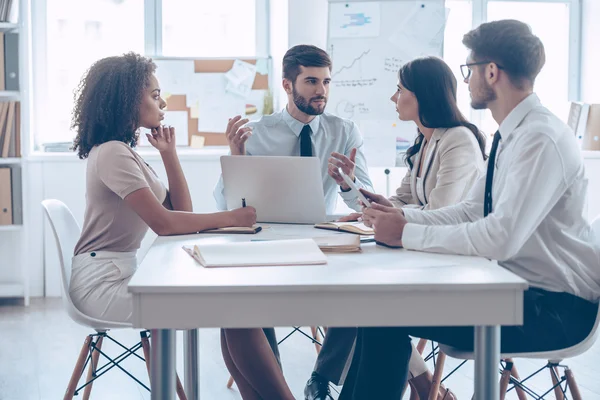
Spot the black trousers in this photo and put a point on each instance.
(551, 321)
(335, 354)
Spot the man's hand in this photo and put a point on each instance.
(237, 136)
(350, 218)
(346, 164)
(388, 223)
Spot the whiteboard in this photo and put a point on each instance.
(368, 42)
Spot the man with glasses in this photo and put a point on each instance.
(526, 213)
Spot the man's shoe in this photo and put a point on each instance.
(317, 388)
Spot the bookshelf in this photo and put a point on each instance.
(13, 249)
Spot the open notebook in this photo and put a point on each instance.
(260, 253)
(352, 227)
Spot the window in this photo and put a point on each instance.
(209, 28)
(77, 34)
(69, 35)
(459, 22)
(550, 22)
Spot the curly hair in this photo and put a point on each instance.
(107, 101)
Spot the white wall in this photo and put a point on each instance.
(307, 21)
(590, 80)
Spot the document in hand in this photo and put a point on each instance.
(351, 227)
(262, 253)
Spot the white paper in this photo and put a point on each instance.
(421, 32)
(179, 121)
(240, 78)
(352, 20)
(174, 76)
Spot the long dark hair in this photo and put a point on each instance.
(107, 101)
(434, 85)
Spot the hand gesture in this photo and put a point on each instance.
(346, 164)
(237, 135)
(162, 138)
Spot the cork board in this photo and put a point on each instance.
(177, 102)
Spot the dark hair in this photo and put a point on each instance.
(107, 101)
(434, 86)
(510, 44)
(303, 55)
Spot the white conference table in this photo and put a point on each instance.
(377, 287)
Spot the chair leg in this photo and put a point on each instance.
(554, 375)
(437, 376)
(146, 348)
(573, 388)
(92, 369)
(230, 382)
(421, 345)
(505, 378)
(520, 392)
(78, 369)
(316, 336)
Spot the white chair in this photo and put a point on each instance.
(66, 233)
(554, 358)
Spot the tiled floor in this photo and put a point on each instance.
(39, 346)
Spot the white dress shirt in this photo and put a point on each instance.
(537, 227)
(278, 134)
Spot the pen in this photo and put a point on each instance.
(243, 202)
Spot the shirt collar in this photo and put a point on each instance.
(296, 126)
(516, 116)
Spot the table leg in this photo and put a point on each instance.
(487, 358)
(191, 364)
(162, 364)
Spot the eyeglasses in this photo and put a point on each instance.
(465, 69)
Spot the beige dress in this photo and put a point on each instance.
(105, 255)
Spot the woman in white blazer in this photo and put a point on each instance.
(444, 161)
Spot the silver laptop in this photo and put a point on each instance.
(282, 189)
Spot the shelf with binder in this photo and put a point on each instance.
(8, 27)
(10, 228)
(10, 161)
(11, 196)
(9, 94)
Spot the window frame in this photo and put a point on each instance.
(479, 16)
(152, 48)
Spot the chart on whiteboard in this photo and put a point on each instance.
(368, 43)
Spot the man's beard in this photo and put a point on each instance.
(305, 105)
(485, 95)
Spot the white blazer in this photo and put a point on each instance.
(452, 163)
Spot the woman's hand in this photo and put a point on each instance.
(245, 216)
(162, 138)
(377, 198)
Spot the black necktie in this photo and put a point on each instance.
(305, 143)
(489, 178)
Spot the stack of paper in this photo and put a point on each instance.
(338, 243)
(260, 253)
